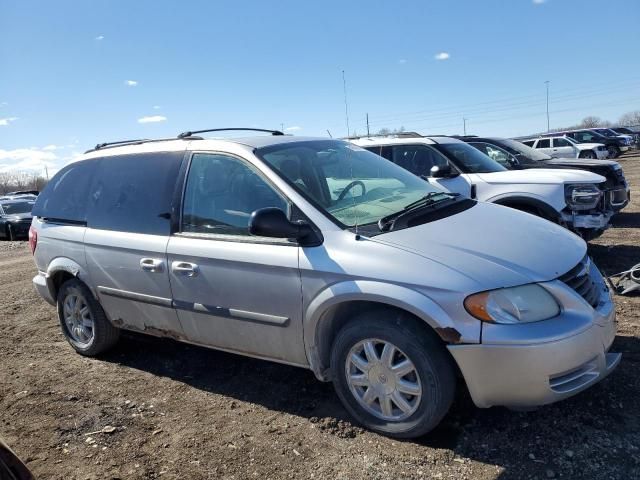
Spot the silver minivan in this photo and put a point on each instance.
(317, 253)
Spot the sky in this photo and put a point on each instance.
(74, 73)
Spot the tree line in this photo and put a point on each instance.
(15, 181)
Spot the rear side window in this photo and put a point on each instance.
(529, 143)
(543, 143)
(133, 193)
(561, 142)
(66, 196)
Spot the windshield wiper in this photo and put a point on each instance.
(386, 223)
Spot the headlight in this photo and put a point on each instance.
(582, 197)
(524, 304)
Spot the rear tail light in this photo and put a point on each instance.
(33, 240)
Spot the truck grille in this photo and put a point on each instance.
(579, 278)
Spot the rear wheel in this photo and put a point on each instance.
(393, 376)
(83, 321)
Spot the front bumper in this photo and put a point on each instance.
(540, 363)
(596, 221)
(21, 229)
(624, 148)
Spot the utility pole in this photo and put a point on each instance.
(464, 126)
(282, 127)
(548, 125)
(346, 106)
(368, 134)
(46, 171)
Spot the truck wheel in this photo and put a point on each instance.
(83, 321)
(614, 151)
(391, 375)
(588, 154)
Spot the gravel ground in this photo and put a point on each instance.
(180, 411)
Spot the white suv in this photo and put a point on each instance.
(573, 198)
(565, 147)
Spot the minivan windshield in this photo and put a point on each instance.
(468, 158)
(350, 184)
(16, 208)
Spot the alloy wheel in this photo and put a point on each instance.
(383, 380)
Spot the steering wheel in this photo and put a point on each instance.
(343, 193)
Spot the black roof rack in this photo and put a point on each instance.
(190, 133)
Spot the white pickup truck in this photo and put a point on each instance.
(573, 198)
(566, 147)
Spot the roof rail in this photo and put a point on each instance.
(390, 134)
(123, 143)
(190, 133)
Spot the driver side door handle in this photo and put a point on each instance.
(185, 269)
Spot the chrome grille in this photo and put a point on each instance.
(579, 278)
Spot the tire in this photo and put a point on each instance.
(588, 154)
(433, 373)
(88, 341)
(614, 151)
(10, 233)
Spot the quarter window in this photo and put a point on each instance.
(221, 194)
(65, 196)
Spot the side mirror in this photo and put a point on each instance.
(273, 222)
(443, 171)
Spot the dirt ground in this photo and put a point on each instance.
(185, 412)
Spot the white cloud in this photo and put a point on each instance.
(100, 37)
(50, 148)
(131, 83)
(292, 129)
(152, 119)
(442, 56)
(402, 61)
(539, 2)
(4, 122)
(157, 107)
(27, 160)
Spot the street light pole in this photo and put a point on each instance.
(548, 125)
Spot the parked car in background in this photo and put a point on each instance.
(514, 155)
(614, 145)
(15, 218)
(569, 197)
(611, 133)
(627, 131)
(567, 147)
(319, 254)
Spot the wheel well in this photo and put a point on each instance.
(523, 207)
(339, 315)
(57, 279)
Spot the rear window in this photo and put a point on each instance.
(133, 193)
(65, 196)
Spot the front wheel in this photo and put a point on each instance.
(588, 154)
(614, 151)
(393, 376)
(83, 321)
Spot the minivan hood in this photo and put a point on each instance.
(494, 245)
(541, 175)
